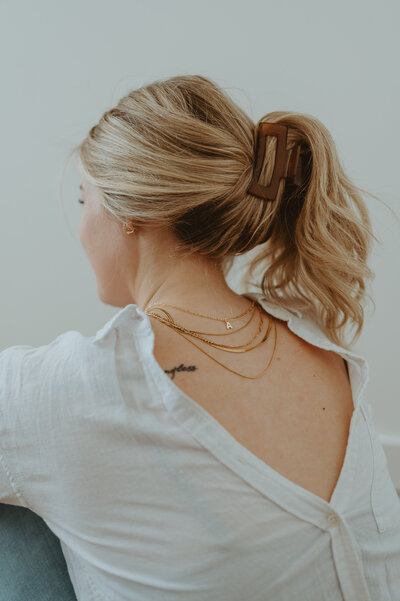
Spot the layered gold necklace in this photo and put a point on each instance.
(185, 332)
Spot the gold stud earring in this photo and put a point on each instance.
(128, 230)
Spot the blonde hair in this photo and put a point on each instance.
(180, 153)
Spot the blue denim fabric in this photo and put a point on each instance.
(32, 564)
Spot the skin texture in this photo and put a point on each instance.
(295, 417)
(122, 264)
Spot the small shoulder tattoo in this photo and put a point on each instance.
(180, 367)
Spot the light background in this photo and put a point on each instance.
(65, 63)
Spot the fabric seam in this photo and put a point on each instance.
(92, 585)
(12, 481)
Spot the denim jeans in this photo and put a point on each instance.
(32, 565)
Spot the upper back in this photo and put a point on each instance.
(295, 417)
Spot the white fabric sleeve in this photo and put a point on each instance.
(35, 386)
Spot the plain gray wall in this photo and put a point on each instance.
(65, 63)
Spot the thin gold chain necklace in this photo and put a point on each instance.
(179, 329)
(232, 370)
(227, 321)
(170, 322)
(160, 308)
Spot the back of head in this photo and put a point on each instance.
(180, 152)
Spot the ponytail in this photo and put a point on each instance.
(319, 236)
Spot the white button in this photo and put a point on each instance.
(332, 519)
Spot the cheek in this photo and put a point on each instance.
(97, 239)
(90, 235)
(84, 229)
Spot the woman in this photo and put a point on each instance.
(206, 444)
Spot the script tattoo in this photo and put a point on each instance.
(180, 367)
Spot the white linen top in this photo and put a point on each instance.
(152, 499)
